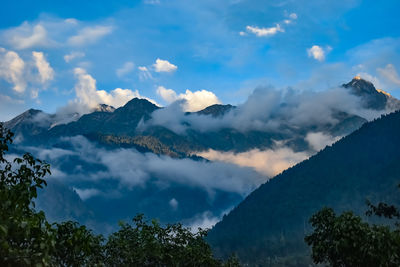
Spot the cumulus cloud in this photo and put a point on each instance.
(33, 74)
(263, 32)
(88, 95)
(27, 36)
(317, 52)
(12, 69)
(168, 95)
(390, 73)
(319, 140)
(89, 35)
(125, 69)
(46, 72)
(164, 66)
(269, 162)
(193, 101)
(73, 55)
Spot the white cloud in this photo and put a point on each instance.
(205, 220)
(164, 66)
(317, 52)
(27, 36)
(168, 95)
(89, 35)
(144, 73)
(46, 72)
(390, 73)
(193, 101)
(320, 140)
(125, 69)
(12, 69)
(264, 32)
(73, 55)
(88, 95)
(268, 162)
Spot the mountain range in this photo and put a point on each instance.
(112, 163)
(119, 127)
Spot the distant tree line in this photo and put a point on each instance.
(28, 239)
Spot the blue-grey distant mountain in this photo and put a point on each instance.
(269, 226)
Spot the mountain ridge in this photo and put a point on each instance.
(109, 124)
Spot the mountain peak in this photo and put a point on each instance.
(372, 98)
(360, 85)
(139, 104)
(27, 115)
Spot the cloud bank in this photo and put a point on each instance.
(267, 109)
(269, 162)
(134, 169)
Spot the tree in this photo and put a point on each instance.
(77, 246)
(25, 236)
(150, 244)
(346, 240)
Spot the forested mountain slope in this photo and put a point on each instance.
(272, 221)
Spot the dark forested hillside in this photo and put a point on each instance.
(270, 224)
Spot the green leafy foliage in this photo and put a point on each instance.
(27, 239)
(77, 246)
(150, 244)
(25, 235)
(346, 240)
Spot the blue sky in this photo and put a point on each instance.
(56, 54)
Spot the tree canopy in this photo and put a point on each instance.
(347, 240)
